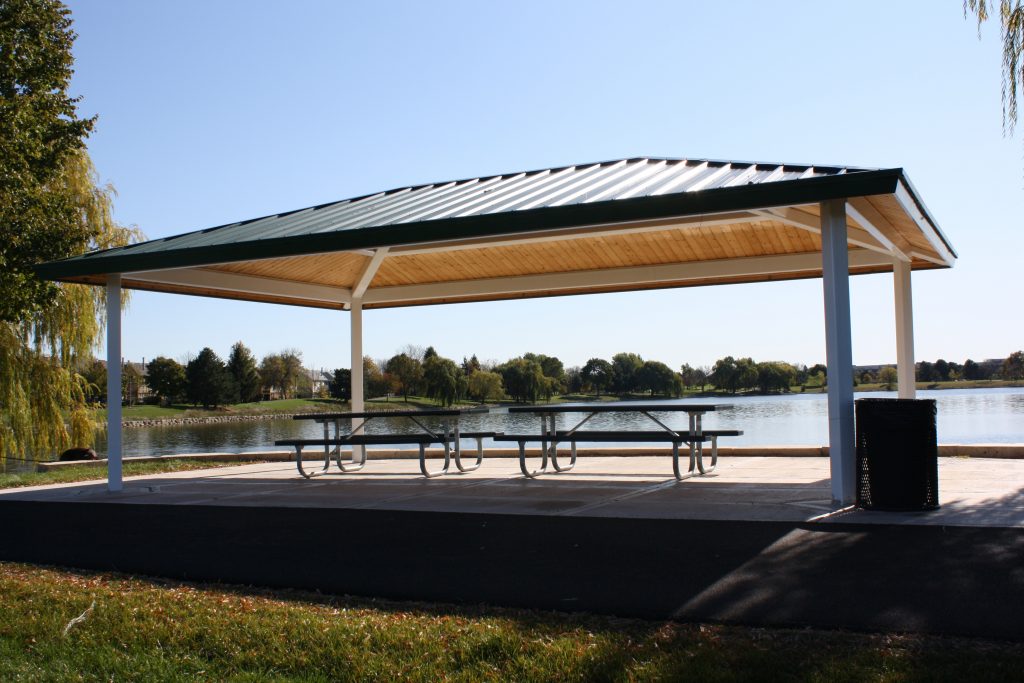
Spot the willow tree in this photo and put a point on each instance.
(51, 207)
(1011, 23)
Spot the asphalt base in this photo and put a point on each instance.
(962, 580)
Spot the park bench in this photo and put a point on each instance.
(422, 440)
(549, 446)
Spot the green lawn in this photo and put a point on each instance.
(149, 630)
(286, 406)
(86, 472)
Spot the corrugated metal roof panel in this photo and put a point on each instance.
(606, 182)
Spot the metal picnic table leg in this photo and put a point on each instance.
(675, 463)
(697, 445)
(327, 456)
(423, 461)
(337, 451)
(554, 449)
(458, 452)
(302, 470)
(522, 461)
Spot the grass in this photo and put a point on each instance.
(87, 472)
(141, 629)
(283, 406)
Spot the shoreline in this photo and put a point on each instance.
(575, 398)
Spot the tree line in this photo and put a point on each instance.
(210, 381)
(533, 376)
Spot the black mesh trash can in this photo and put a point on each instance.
(897, 454)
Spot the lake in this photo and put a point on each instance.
(964, 416)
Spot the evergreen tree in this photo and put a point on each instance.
(208, 381)
(242, 366)
(340, 385)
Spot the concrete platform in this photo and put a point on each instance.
(754, 543)
(973, 491)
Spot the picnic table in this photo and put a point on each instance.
(550, 436)
(449, 436)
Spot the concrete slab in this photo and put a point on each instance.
(972, 491)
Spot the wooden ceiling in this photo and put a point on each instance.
(751, 246)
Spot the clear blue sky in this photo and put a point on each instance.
(212, 112)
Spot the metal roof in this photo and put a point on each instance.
(590, 194)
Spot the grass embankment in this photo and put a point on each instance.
(161, 630)
(89, 472)
(284, 406)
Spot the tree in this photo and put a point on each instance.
(51, 207)
(131, 380)
(272, 374)
(242, 366)
(407, 373)
(656, 377)
(598, 374)
(1013, 366)
(888, 377)
(775, 376)
(1011, 24)
(971, 370)
(574, 380)
(940, 371)
(470, 366)
(94, 373)
(483, 386)
(524, 379)
(340, 384)
(166, 378)
(725, 374)
(923, 371)
(624, 369)
(291, 360)
(443, 379)
(208, 382)
(374, 383)
(40, 136)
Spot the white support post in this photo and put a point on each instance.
(839, 351)
(358, 452)
(904, 330)
(114, 382)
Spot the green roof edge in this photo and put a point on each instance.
(743, 197)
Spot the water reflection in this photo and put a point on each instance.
(964, 416)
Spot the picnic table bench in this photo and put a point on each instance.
(550, 436)
(449, 436)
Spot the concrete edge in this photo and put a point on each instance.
(978, 450)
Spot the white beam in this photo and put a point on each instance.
(114, 382)
(557, 235)
(244, 284)
(356, 374)
(861, 211)
(932, 258)
(930, 231)
(904, 330)
(839, 351)
(366, 277)
(811, 223)
(676, 272)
